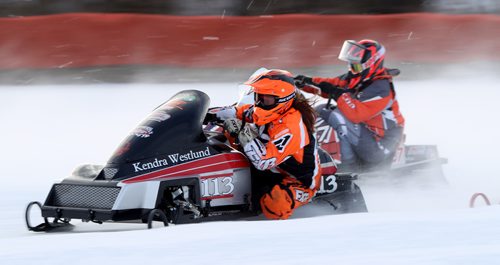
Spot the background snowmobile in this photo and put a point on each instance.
(408, 160)
(170, 169)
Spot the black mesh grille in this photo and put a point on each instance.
(79, 196)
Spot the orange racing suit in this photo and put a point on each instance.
(286, 147)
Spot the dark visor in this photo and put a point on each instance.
(266, 102)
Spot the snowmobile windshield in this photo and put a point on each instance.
(352, 52)
(175, 125)
(246, 95)
(246, 91)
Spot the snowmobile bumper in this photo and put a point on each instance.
(88, 201)
(94, 215)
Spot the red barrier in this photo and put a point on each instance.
(76, 40)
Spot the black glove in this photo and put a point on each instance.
(334, 91)
(302, 80)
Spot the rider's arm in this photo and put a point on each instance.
(285, 140)
(371, 101)
(231, 112)
(336, 81)
(245, 112)
(317, 83)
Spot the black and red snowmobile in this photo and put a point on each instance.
(171, 169)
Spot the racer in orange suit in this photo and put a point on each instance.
(276, 134)
(367, 117)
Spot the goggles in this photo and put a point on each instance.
(266, 102)
(356, 68)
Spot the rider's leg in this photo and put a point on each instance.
(262, 183)
(373, 152)
(284, 198)
(391, 141)
(348, 133)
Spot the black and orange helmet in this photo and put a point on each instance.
(274, 92)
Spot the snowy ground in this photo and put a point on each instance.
(47, 130)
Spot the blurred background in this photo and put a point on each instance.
(246, 7)
(158, 41)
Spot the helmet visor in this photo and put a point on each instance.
(266, 102)
(352, 52)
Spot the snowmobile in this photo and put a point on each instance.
(405, 162)
(172, 169)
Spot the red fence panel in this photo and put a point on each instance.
(83, 40)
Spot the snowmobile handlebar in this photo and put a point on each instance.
(210, 118)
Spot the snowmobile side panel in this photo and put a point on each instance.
(137, 195)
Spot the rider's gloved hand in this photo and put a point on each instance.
(248, 134)
(253, 147)
(302, 80)
(306, 84)
(232, 126)
(332, 90)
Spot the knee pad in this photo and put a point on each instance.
(278, 203)
(301, 194)
(281, 201)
